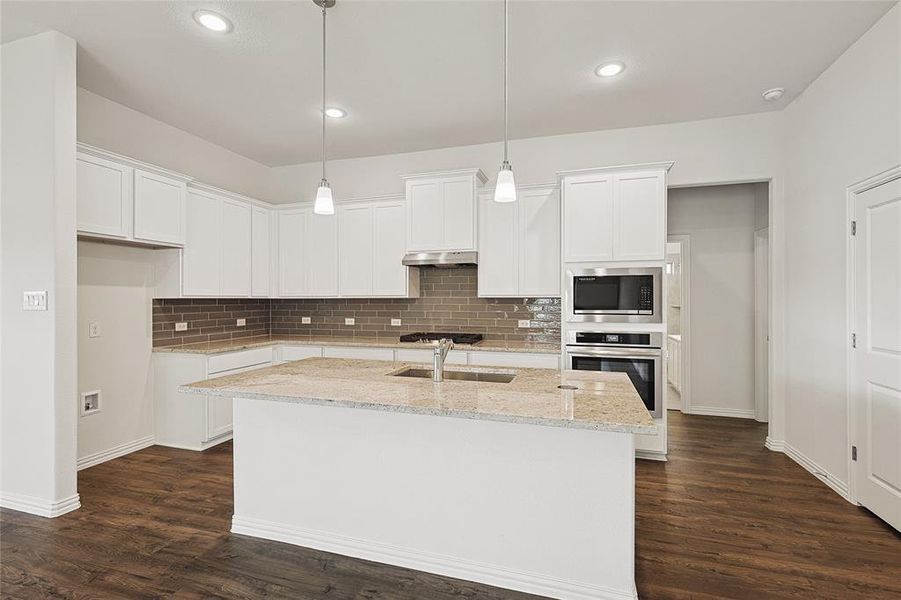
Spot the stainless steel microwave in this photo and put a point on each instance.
(627, 295)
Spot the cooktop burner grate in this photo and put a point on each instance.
(457, 338)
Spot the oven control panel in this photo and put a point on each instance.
(609, 338)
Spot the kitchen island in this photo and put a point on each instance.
(519, 484)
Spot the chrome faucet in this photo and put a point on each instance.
(441, 349)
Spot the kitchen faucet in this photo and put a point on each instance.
(443, 346)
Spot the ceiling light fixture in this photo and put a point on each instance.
(610, 69)
(505, 188)
(212, 21)
(335, 113)
(324, 205)
(773, 94)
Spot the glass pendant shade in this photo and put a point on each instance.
(505, 190)
(324, 204)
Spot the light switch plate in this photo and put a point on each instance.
(242, 322)
(305, 320)
(93, 329)
(181, 326)
(395, 322)
(34, 301)
(524, 323)
(349, 321)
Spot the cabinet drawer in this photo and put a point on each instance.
(454, 357)
(299, 352)
(515, 359)
(356, 352)
(239, 360)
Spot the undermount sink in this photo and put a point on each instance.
(483, 376)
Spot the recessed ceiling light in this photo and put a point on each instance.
(213, 21)
(610, 69)
(335, 113)
(773, 94)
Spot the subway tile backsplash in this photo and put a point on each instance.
(448, 302)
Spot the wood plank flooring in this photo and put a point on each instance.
(724, 518)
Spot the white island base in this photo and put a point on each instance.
(545, 510)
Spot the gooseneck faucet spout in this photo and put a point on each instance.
(441, 349)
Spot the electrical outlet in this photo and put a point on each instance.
(305, 320)
(395, 322)
(181, 326)
(349, 321)
(242, 323)
(93, 329)
(524, 323)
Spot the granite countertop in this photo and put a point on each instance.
(602, 401)
(275, 340)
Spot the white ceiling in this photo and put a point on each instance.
(424, 74)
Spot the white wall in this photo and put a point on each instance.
(844, 128)
(37, 218)
(720, 221)
(113, 289)
(112, 126)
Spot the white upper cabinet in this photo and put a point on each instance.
(519, 244)
(291, 268)
(104, 196)
(615, 214)
(159, 208)
(355, 242)
(320, 243)
(389, 276)
(441, 210)
(260, 251)
(235, 250)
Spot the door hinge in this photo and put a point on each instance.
(853, 227)
(854, 340)
(854, 453)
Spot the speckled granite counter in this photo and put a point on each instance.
(602, 401)
(244, 343)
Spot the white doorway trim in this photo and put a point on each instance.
(852, 192)
(685, 377)
(761, 323)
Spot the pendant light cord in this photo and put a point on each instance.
(506, 126)
(323, 92)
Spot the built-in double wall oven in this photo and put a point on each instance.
(637, 354)
(616, 295)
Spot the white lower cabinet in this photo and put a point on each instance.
(522, 360)
(358, 352)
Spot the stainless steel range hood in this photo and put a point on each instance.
(447, 260)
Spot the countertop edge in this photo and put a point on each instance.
(360, 344)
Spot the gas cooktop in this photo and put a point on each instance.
(457, 338)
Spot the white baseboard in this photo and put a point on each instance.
(650, 455)
(774, 445)
(533, 583)
(115, 452)
(716, 411)
(840, 487)
(196, 448)
(39, 506)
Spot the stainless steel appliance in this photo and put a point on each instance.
(626, 295)
(447, 260)
(457, 338)
(638, 354)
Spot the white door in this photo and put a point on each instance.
(497, 272)
(235, 244)
(539, 243)
(588, 218)
(260, 240)
(103, 196)
(389, 276)
(159, 208)
(291, 273)
(876, 361)
(355, 250)
(201, 276)
(639, 211)
(321, 251)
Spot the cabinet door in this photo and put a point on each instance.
(498, 252)
(639, 217)
(321, 250)
(355, 250)
(159, 208)
(103, 196)
(459, 214)
(260, 239)
(389, 276)
(291, 272)
(235, 244)
(539, 246)
(202, 254)
(425, 225)
(588, 218)
(218, 417)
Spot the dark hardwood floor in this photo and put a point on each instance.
(724, 518)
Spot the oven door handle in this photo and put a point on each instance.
(616, 352)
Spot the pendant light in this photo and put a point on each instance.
(505, 188)
(324, 204)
